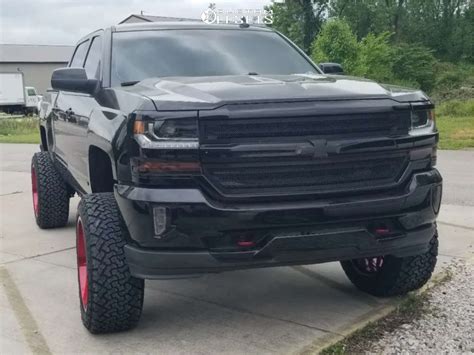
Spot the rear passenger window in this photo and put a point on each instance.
(92, 65)
(80, 54)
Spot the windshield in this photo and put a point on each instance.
(138, 55)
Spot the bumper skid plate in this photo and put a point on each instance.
(279, 251)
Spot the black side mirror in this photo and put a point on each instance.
(331, 68)
(73, 79)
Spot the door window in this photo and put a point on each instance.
(92, 65)
(80, 55)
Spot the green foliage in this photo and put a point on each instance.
(18, 130)
(375, 59)
(415, 63)
(299, 20)
(460, 108)
(337, 43)
(17, 125)
(444, 26)
(453, 81)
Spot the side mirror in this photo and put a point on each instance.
(73, 79)
(331, 68)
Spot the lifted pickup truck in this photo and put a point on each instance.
(206, 148)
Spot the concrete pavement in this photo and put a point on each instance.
(279, 310)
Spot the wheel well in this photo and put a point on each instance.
(100, 171)
(44, 141)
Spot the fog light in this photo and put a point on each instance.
(160, 220)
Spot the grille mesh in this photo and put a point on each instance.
(311, 176)
(272, 172)
(360, 125)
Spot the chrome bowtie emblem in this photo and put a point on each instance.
(316, 148)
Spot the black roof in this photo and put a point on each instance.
(152, 18)
(182, 25)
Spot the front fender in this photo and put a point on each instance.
(104, 127)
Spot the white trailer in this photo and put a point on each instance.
(12, 91)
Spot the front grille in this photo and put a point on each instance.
(347, 172)
(284, 149)
(328, 126)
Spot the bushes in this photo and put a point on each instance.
(414, 63)
(453, 82)
(460, 108)
(374, 57)
(336, 43)
(17, 125)
(18, 130)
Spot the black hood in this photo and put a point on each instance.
(188, 93)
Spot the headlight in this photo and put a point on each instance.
(183, 128)
(168, 146)
(173, 130)
(422, 122)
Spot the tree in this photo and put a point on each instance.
(415, 63)
(445, 26)
(336, 43)
(375, 59)
(300, 20)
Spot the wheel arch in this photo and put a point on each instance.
(43, 139)
(102, 176)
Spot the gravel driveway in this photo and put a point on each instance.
(448, 328)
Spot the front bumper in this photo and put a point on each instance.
(201, 232)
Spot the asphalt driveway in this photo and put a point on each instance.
(279, 310)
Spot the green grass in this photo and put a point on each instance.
(464, 108)
(455, 121)
(17, 129)
(21, 138)
(455, 132)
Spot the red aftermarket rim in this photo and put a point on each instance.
(370, 265)
(34, 189)
(82, 263)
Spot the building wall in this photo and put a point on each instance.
(35, 74)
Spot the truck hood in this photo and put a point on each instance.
(186, 93)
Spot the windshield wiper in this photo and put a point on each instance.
(129, 83)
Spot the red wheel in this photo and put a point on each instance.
(389, 275)
(82, 264)
(34, 189)
(369, 265)
(49, 193)
(111, 298)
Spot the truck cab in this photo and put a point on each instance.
(31, 100)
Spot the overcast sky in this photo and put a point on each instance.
(66, 21)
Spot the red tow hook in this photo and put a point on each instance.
(246, 243)
(382, 231)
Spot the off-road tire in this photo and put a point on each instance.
(52, 199)
(397, 276)
(115, 297)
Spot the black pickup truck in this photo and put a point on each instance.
(205, 148)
